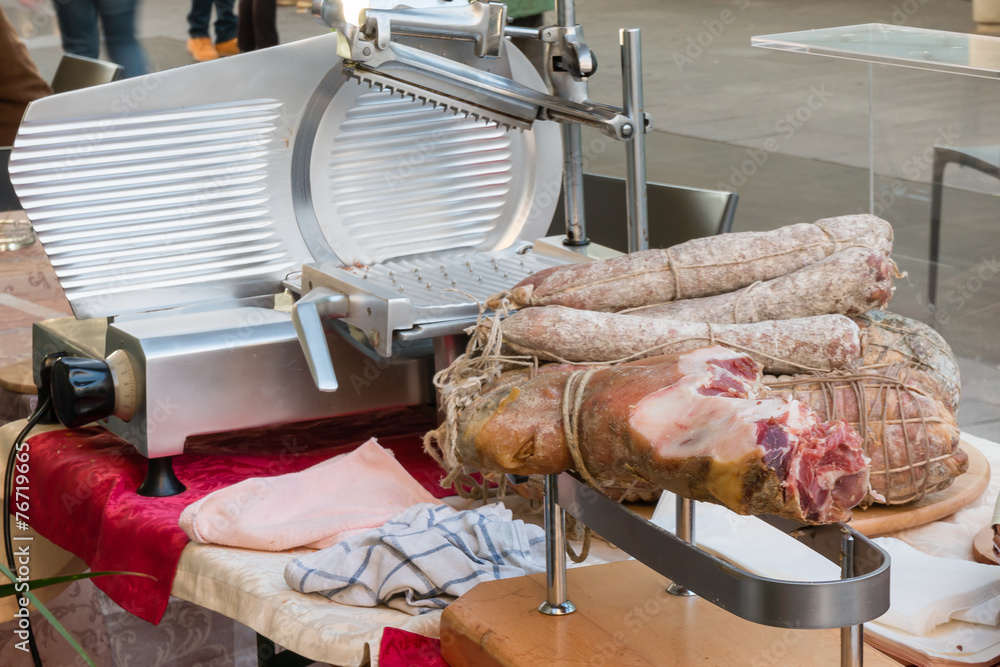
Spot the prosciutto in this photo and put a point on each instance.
(694, 423)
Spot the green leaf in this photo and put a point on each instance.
(6, 590)
(43, 610)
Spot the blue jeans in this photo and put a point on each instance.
(201, 15)
(78, 25)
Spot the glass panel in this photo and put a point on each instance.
(959, 53)
(935, 175)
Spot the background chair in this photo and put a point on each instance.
(8, 200)
(676, 213)
(985, 159)
(73, 73)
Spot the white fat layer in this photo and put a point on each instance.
(679, 422)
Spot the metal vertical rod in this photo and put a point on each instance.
(685, 530)
(852, 639)
(555, 603)
(635, 147)
(576, 219)
(566, 12)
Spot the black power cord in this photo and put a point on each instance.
(8, 479)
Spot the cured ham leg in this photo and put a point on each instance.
(692, 423)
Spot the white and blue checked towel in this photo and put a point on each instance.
(422, 559)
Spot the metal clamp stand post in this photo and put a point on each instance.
(685, 531)
(555, 603)
(576, 223)
(852, 638)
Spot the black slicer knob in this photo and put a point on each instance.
(83, 390)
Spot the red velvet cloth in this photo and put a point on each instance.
(83, 490)
(400, 648)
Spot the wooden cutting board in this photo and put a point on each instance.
(624, 618)
(982, 547)
(881, 519)
(17, 377)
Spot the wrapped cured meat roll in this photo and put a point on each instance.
(699, 267)
(889, 339)
(910, 436)
(693, 423)
(819, 343)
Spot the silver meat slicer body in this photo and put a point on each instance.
(185, 211)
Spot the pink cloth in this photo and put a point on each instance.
(316, 507)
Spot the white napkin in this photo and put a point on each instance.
(927, 591)
(956, 641)
(749, 542)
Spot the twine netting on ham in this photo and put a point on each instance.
(889, 339)
(459, 385)
(480, 369)
(909, 435)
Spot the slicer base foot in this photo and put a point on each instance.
(160, 479)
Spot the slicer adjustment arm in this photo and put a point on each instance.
(372, 55)
(308, 314)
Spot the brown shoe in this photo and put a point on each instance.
(201, 49)
(227, 48)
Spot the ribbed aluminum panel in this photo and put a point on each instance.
(142, 201)
(405, 178)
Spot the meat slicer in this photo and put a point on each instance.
(292, 233)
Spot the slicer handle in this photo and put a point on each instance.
(308, 314)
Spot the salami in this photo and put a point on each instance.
(556, 333)
(696, 268)
(850, 282)
(909, 434)
(692, 423)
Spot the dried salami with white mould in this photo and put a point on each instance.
(850, 282)
(556, 333)
(697, 268)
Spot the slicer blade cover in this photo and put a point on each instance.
(214, 182)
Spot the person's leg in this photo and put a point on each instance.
(198, 18)
(245, 31)
(264, 23)
(225, 20)
(78, 26)
(199, 44)
(118, 21)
